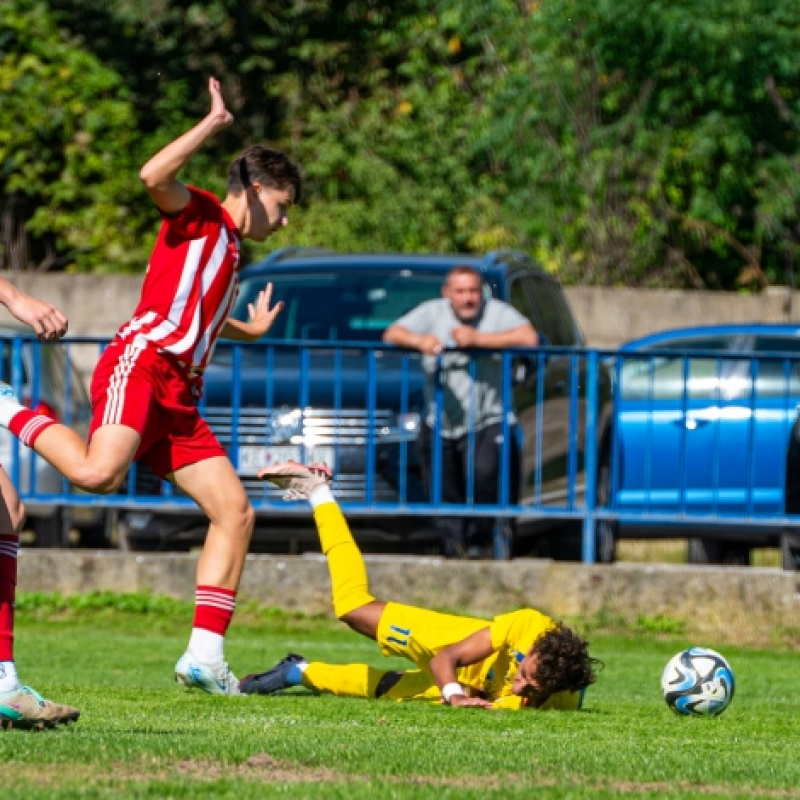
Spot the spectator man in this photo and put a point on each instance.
(472, 404)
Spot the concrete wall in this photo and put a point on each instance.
(610, 317)
(743, 605)
(98, 304)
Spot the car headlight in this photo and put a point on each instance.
(409, 422)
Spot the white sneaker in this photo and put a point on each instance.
(298, 480)
(211, 678)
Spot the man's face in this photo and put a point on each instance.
(525, 684)
(465, 293)
(269, 210)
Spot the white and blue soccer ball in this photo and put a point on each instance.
(698, 682)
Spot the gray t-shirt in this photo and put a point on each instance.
(478, 401)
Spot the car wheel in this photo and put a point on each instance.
(49, 531)
(735, 554)
(97, 536)
(704, 551)
(790, 537)
(790, 550)
(606, 530)
(712, 551)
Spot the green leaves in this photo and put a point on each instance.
(65, 145)
(621, 143)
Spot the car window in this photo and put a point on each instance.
(777, 344)
(662, 377)
(519, 300)
(550, 312)
(704, 343)
(341, 305)
(777, 376)
(711, 378)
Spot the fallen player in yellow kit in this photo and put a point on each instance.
(520, 659)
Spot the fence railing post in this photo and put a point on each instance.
(590, 458)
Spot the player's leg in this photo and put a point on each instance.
(343, 680)
(122, 390)
(352, 602)
(214, 485)
(20, 706)
(451, 529)
(99, 466)
(489, 452)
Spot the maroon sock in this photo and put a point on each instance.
(9, 545)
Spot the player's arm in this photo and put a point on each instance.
(46, 320)
(260, 319)
(445, 663)
(403, 337)
(519, 336)
(159, 174)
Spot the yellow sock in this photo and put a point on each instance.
(361, 680)
(345, 680)
(414, 685)
(349, 584)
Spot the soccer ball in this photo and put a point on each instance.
(698, 681)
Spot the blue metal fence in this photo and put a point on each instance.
(575, 413)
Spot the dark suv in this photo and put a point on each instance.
(306, 395)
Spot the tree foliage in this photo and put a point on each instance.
(648, 143)
(65, 144)
(619, 142)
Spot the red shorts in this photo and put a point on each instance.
(147, 391)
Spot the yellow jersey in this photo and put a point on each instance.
(418, 635)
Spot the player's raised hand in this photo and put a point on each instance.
(221, 114)
(260, 314)
(47, 321)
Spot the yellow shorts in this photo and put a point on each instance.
(418, 634)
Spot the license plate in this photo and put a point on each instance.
(252, 458)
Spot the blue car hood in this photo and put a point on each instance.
(280, 381)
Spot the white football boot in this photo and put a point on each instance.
(211, 678)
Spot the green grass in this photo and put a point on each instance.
(141, 736)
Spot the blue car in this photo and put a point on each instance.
(323, 387)
(704, 419)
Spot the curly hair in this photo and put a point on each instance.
(564, 663)
(271, 168)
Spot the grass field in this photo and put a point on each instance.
(141, 736)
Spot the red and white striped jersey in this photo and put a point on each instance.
(190, 283)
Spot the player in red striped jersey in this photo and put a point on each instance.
(147, 384)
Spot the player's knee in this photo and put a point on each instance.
(362, 619)
(243, 519)
(249, 519)
(351, 618)
(101, 480)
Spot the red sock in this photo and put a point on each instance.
(9, 545)
(26, 425)
(214, 608)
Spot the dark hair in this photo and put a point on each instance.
(271, 168)
(564, 663)
(463, 269)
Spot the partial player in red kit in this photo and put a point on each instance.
(20, 705)
(146, 387)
